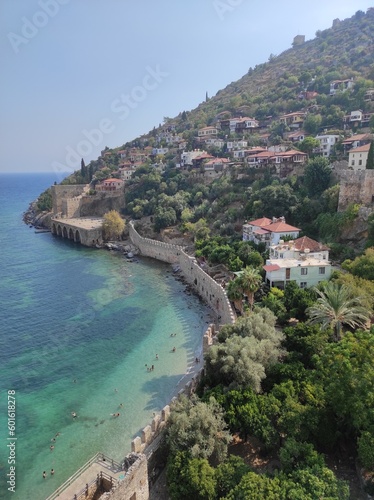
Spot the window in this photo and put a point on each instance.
(322, 270)
(303, 284)
(304, 271)
(281, 256)
(353, 163)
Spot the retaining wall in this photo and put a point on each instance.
(134, 486)
(356, 187)
(208, 289)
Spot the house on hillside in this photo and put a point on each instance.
(236, 145)
(358, 157)
(188, 156)
(284, 161)
(337, 86)
(297, 136)
(239, 124)
(110, 185)
(356, 141)
(269, 231)
(303, 260)
(208, 132)
(293, 120)
(126, 172)
(215, 167)
(369, 95)
(213, 141)
(159, 151)
(327, 143)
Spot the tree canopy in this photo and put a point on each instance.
(113, 225)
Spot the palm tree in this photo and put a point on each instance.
(250, 280)
(235, 293)
(336, 307)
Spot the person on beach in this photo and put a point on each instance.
(51, 447)
(174, 349)
(44, 475)
(156, 356)
(73, 414)
(52, 472)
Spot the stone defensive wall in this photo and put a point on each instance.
(208, 289)
(73, 201)
(134, 486)
(62, 193)
(356, 187)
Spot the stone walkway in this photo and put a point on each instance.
(86, 477)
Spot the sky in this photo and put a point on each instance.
(79, 75)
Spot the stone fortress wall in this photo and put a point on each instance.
(73, 201)
(62, 193)
(208, 289)
(356, 187)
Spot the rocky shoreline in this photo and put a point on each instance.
(35, 218)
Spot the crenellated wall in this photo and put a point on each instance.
(208, 289)
(61, 193)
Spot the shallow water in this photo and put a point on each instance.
(78, 327)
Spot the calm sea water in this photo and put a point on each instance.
(77, 327)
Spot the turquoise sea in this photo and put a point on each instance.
(77, 327)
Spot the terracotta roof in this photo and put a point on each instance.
(360, 149)
(261, 231)
(306, 242)
(260, 222)
(281, 227)
(291, 152)
(271, 267)
(113, 180)
(255, 150)
(203, 157)
(357, 137)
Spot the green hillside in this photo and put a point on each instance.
(298, 80)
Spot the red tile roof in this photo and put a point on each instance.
(305, 242)
(357, 137)
(260, 222)
(271, 267)
(281, 227)
(360, 149)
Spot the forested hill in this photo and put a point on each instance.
(345, 50)
(227, 184)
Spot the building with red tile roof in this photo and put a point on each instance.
(268, 231)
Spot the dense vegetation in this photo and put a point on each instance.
(303, 388)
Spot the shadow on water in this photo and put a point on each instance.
(162, 385)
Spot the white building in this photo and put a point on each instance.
(358, 157)
(327, 142)
(303, 260)
(269, 231)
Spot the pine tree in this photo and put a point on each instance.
(370, 160)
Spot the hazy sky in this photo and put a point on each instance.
(79, 75)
